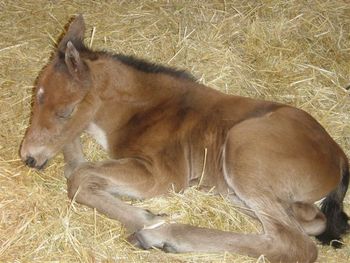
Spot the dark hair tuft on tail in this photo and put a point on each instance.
(337, 219)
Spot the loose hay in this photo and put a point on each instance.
(296, 52)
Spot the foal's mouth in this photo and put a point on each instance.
(42, 166)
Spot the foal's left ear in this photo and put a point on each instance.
(73, 61)
(74, 34)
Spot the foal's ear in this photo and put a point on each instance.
(75, 34)
(73, 61)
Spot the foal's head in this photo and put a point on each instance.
(63, 101)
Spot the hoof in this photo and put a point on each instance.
(155, 237)
(134, 241)
(168, 248)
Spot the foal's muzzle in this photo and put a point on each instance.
(31, 162)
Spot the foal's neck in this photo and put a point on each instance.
(117, 81)
(125, 91)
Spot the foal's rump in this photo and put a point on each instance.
(285, 151)
(279, 164)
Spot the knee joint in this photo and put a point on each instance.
(84, 182)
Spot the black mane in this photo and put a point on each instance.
(149, 67)
(132, 61)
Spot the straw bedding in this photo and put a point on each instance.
(296, 52)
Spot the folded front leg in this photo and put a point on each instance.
(73, 156)
(98, 185)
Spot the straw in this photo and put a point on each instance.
(295, 52)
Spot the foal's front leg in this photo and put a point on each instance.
(97, 185)
(73, 157)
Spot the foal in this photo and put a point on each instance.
(156, 122)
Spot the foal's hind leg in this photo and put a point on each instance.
(97, 185)
(281, 241)
(309, 216)
(311, 219)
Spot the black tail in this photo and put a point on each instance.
(337, 219)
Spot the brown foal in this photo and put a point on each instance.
(157, 123)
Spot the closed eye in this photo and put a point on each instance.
(65, 113)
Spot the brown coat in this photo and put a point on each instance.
(162, 129)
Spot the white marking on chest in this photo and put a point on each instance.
(98, 134)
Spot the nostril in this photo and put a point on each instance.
(30, 161)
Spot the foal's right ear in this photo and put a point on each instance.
(75, 34)
(73, 61)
